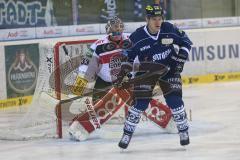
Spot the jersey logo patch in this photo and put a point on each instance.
(145, 48)
(161, 56)
(115, 65)
(167, 41)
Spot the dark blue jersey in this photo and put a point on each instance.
(161, 47)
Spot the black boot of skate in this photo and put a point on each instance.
(184, 138)
(125, 140)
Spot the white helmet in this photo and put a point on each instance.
(114, 27)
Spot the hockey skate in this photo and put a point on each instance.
(125, 140)
(184, 138)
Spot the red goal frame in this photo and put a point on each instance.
(58, 82)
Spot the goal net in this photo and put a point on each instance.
(43, 117)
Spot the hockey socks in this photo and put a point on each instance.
(180, 118)
(130, 124)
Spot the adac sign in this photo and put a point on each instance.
(22, 69)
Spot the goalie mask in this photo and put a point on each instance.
(115, 28)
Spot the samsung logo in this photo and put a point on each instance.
(215, 52)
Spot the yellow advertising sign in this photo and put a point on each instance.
(79, 86)
(210, 78)
(13, 102)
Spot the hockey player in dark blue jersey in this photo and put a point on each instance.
(156, 43)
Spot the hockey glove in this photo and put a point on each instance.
(180, 60)
(126, 68)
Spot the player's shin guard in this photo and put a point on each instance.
(180, 118)
(131, 122)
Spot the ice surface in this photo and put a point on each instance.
(214, 134)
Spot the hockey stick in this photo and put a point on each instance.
(137, 81)
(67, 55)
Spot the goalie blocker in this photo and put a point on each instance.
(95, 116)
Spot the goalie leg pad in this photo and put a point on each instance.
(103, 110)
(159, 113)
(77, 132)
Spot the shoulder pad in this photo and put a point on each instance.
(139, 32)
